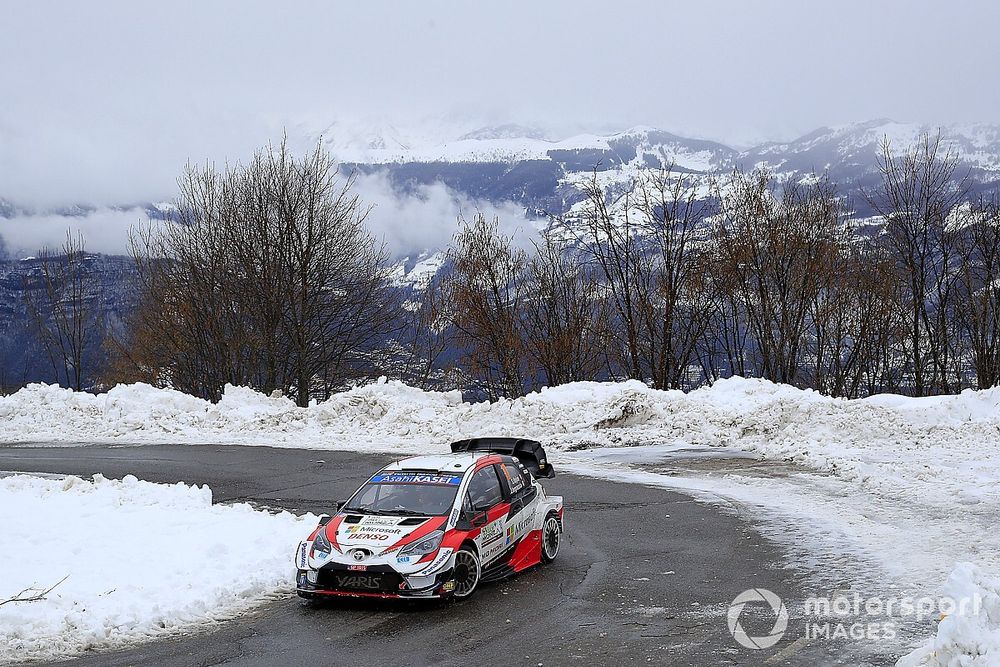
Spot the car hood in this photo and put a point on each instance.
(378, 533)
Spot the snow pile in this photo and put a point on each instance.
(944, 449)
(139, 559)
(386, 416)
(970, 639)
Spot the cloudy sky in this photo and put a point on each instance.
(104, 101)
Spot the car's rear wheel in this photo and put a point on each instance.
(551, 537)
(467, 572)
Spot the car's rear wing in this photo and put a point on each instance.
(528, 452)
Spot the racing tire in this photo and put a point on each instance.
(468, 571)
(551, 537)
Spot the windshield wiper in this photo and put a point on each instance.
(405, 512)
(363, 510)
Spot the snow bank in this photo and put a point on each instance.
(945, 449)
(140, 559)
(969, 639)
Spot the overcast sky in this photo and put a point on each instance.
(103, 102)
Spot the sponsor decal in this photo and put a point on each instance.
(357, 581)
(364, 528)
(519, 527)
(491, 531)
(378, 521)
(365, 536)
(301, 557)
(357, 568)
(455, 513)
(403, 560)
(395, 478)
(439, 560)
(492, 551)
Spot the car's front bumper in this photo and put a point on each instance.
(374, 582)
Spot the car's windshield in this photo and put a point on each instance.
(406, 493)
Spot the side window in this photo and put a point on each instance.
(514, 478)
(484, 489)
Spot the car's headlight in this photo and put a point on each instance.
(320, 543)
(424, 546)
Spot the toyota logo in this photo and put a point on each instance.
(359, 554)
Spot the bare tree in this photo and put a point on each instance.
(610, 239)
(487, 291)
(63, 303)
(269, 279)
(776, 251)
(674, 299)
(919, 189)
(645, 245)
(565, 314)
(977, 303)
(854, 324)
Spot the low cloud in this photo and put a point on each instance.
(425, 219)
(104, 231)
(428, 218)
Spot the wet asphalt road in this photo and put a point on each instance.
(644, 576)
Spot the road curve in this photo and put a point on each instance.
(645, 576)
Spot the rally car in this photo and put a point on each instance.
(437, 526)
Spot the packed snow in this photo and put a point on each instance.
(907, 487)
(135, 560)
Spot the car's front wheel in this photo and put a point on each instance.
(467, 572)
(551, 537)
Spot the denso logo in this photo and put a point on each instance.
(368, 537)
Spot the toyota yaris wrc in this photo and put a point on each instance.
(437, 526)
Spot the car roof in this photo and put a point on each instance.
(453, 463)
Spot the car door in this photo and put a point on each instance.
(485, 502)
(522, 498)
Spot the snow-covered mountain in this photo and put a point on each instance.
(524, 165)
(642, 146)
(531, 167)
(850, 150)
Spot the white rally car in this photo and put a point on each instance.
(436, 526)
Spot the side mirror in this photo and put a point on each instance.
(478, 520)
(324, 519)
